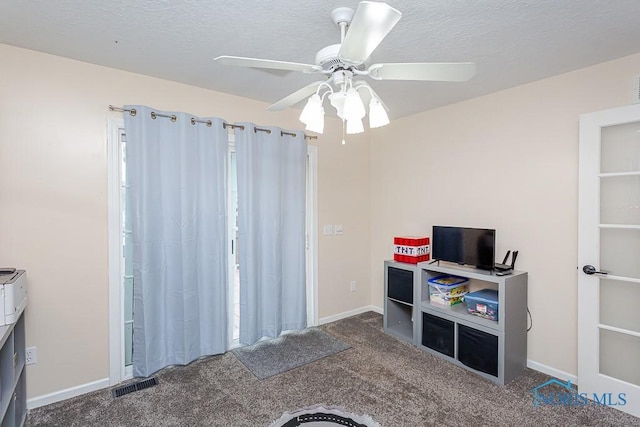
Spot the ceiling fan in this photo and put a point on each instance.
(343, 63)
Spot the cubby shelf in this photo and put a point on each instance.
(494, 349)
(13, 408)
(399, 307)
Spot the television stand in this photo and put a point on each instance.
(493, 349)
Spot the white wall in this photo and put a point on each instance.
(507, 161)
(53, 201)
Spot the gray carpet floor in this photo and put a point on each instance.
(392, 381)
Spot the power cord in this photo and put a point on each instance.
(531, 319)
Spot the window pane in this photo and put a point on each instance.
(620, 252)
(128, 254)
(619, 304)
(128, 344)
(619, 355)
(619, 152)
(128, 299)
(620, 200)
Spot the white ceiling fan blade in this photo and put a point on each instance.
(295, 97)
(442, 72)
(370, 25)
(240, 61)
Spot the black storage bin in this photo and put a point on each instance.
(438, 334)
(400, 284)
(478, 350)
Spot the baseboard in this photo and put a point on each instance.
(68, 393)
(378, 310)
(349, 313)
(552, 371)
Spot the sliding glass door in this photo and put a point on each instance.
(121, 294)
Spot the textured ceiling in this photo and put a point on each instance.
(511, 41)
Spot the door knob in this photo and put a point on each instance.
(590, 269)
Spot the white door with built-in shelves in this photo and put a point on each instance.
(609, 258)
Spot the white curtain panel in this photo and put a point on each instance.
(177, 175)
(271, 230)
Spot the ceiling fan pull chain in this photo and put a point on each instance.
(343, 131)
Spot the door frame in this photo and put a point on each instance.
(589, 378)
(312, 235)
(117, 369)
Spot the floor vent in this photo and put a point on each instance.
(130, 388)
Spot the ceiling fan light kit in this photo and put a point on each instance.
(361, 31)
(348, 104)
(349, 107)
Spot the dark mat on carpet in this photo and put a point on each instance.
(321, 416)
(275, 356)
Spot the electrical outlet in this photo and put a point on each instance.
(354, 286)
(31, 356)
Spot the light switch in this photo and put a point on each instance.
(339, 229)
(327, 230)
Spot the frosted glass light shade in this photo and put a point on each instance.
(337, 100)
(317, 123)
(377, 115)
(355, 126)
(312, 109)
(353, 106)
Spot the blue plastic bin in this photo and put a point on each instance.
(483, 303)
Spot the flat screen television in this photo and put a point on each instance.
(469, 246)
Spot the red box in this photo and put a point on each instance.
(411, 250)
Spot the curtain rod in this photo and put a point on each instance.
(173, 118)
